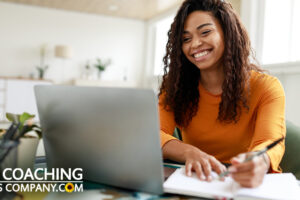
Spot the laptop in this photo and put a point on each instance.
(111, 133)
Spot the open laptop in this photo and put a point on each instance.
(112, 133)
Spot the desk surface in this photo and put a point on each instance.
(92, 190)
(97, 191)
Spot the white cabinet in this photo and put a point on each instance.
(17, 96)
(2, 97)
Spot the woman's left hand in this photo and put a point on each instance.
(250, 173)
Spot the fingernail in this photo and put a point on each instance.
(209, 178)
(202, 177)
(189, 173)
(232, 169)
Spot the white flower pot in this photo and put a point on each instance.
(26, 152)
(21, 156)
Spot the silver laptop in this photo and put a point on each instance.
(112, 133)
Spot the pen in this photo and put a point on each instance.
(258, 153)
(171, 165)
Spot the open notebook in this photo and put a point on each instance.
(274, 186)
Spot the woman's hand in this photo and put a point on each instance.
(250, 173)
(194, 159)
(202, 163)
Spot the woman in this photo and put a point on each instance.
(224, 106)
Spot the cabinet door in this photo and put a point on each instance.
(20, 96)
(2, 99)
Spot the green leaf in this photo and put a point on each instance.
(39, 133)
(37, 129)
(35, 126)
(22, 119)
(13, 117)
(25, 116)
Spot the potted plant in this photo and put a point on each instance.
(41, 71)
(27, 135)
(101, 66)
(42, 68)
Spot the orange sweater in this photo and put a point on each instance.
(261, 125)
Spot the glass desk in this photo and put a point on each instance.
(92, 190)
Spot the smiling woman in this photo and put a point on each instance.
(224, 105)
(203, 40)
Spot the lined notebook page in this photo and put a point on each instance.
(274, 186)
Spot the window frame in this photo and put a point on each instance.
(252, 13)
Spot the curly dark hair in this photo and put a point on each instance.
(181, 78)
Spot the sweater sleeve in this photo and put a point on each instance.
(167, 123)
(270, 122)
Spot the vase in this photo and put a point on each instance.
(99, 74)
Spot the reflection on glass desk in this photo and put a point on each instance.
(92, 190)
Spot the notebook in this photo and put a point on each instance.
(274, 186)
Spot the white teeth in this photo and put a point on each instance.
(198, 55)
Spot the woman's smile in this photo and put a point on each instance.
(201, 55)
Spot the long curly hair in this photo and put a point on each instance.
(181, 78)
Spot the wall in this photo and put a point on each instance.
(24, 29)
(236, 4)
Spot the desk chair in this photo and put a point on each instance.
(291, 159)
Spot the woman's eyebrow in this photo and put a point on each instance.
(199, 27)
(202, 25)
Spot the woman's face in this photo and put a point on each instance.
(203, 40)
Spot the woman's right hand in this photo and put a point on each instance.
(194, 159)
(202, 163)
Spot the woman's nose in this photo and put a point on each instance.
(196, 42)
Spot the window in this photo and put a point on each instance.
(161, 38)
(281, 31)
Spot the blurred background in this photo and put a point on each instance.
(121, 43)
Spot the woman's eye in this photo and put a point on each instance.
(205, 32)
(185, 39)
